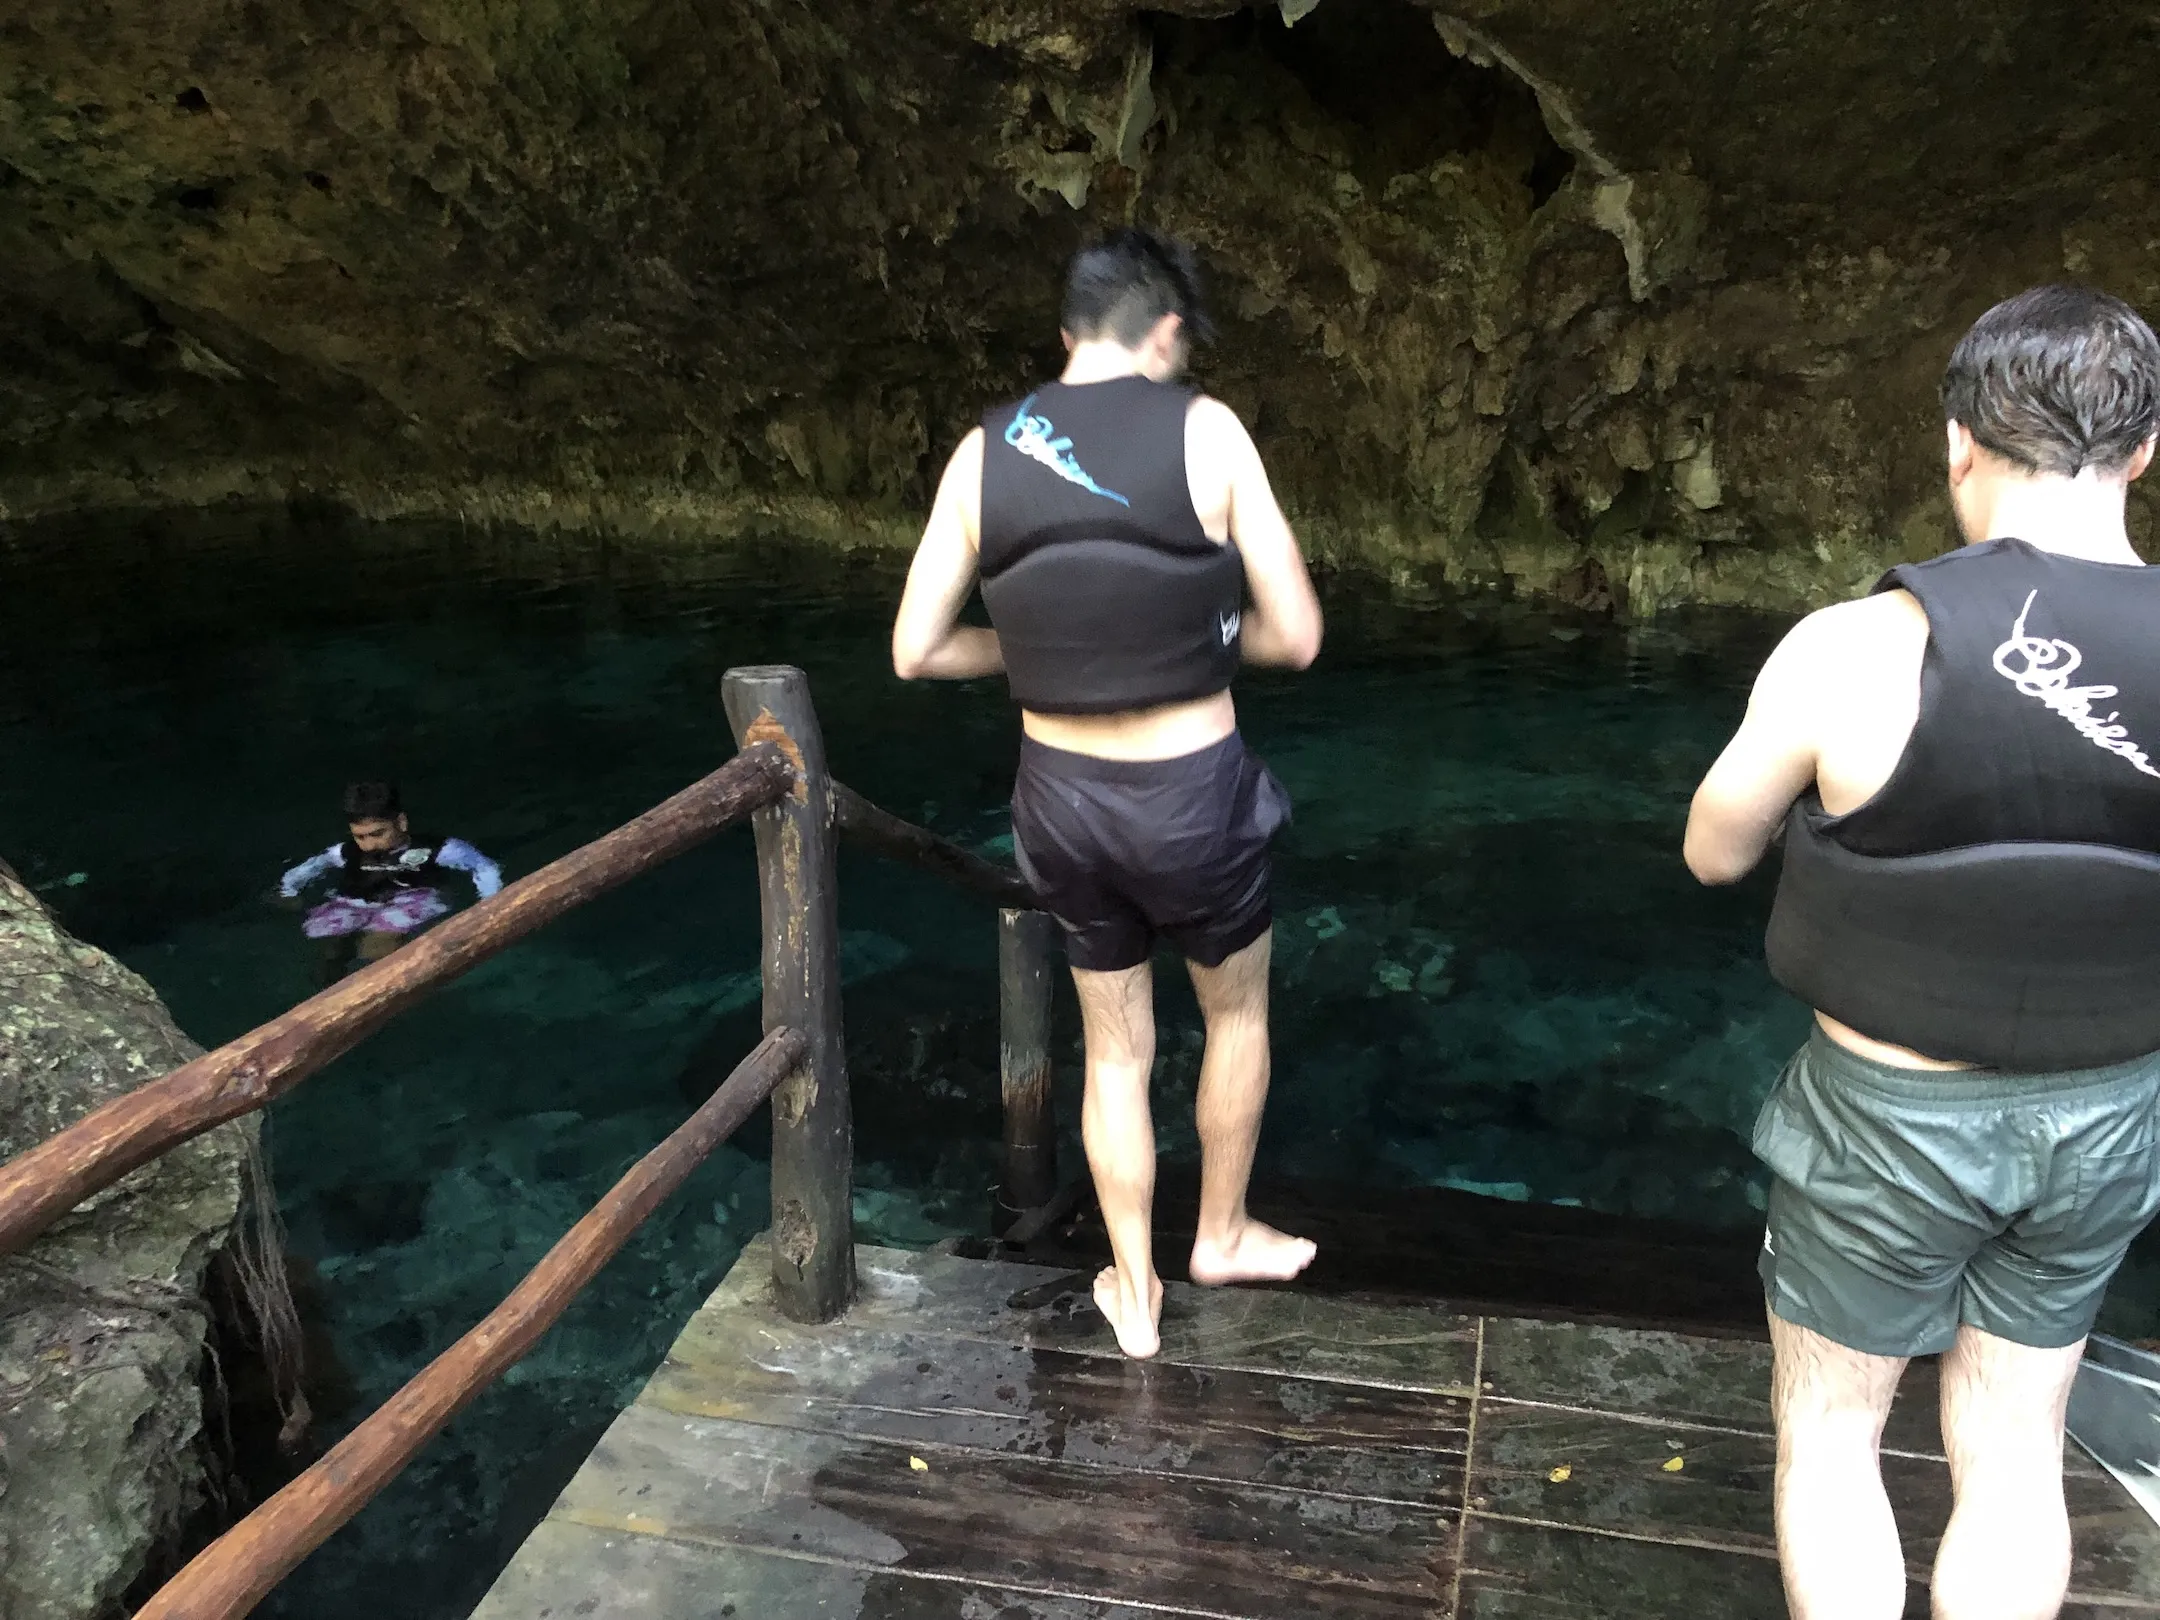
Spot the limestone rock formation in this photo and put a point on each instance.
(102, 1320)
(1653, 292)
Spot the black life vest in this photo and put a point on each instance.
(1998, 900)
(375, 875)
(1104, 588)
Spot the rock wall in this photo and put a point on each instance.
(1639, 300)
(102, 1320)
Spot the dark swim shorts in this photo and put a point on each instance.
(1909, 1201)
(1124, 852)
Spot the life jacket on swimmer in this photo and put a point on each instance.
(375, 875)
(1997, 902)
(1104, 588)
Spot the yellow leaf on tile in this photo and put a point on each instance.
(918, 1465)
(1560, 1474)
(1673, 1465)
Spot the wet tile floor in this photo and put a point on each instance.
(967, 1443)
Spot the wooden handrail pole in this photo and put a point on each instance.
(1026, 945)
(38, 1187)
(813, 1162)
(888, 834)
(235, 1572)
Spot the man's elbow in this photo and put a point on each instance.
(1711, 865)
(909, 663)
(1302, 645)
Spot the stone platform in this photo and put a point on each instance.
(968, 1445)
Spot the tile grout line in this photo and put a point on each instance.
(605, 1524)
(1469, 1468)
(972, 1453)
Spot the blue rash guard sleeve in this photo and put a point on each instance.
(460, 856)
(314, 868)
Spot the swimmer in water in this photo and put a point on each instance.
(385, 885)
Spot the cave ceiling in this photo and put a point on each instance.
(1646, 291)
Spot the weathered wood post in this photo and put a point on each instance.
(813, 1162)
(1025, 940)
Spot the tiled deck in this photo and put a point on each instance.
(968, 1445)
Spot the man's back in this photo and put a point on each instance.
(1117, 522)
(1971, 880)
(2001, 693)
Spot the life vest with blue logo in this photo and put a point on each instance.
(1105, 590)
(1997, 901)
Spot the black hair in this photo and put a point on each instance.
(373, 801)
(1122, 285)
(2057, 379)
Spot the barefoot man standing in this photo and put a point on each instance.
(1131, 553)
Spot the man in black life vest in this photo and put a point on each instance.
(385, 885)
(1131, 553)
(1965, 767)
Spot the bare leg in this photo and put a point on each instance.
(2006, 1554)
(374, 947)
(1118, 1013)
(1837, 1541)
(336, 960)
(1230, 1246)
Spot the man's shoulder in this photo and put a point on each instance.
(1885, 613)
(1211, 414)
(1214, 434)
(1857, 638)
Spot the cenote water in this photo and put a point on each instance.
(1493, 972)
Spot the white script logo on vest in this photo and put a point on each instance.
(2045, 674)
(1228, 624)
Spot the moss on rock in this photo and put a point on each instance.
(102, 1320)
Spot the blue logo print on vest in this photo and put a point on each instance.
(1030, 435)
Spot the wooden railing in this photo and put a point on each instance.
(779, 780)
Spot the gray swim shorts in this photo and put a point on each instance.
(1908, 1201)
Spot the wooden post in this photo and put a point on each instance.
(1024, 968)
(813, 1163)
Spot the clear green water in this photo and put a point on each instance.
(1493, 971)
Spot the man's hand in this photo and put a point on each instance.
(928, 641)
(285, 902)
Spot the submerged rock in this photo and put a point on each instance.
(102, 1320)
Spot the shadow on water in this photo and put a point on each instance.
(1493, 974)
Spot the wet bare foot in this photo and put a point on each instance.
(1258, 1253)
(1137, 1326)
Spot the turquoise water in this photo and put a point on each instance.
(1493, 972)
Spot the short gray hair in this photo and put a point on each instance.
(2057, 379)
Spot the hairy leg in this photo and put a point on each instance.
(1837, 1541)
(1118, 1013)
(1230, 1246)
(2006, 1554)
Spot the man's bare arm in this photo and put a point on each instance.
(928, 640)
(1282, 625)
(1768, 764)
